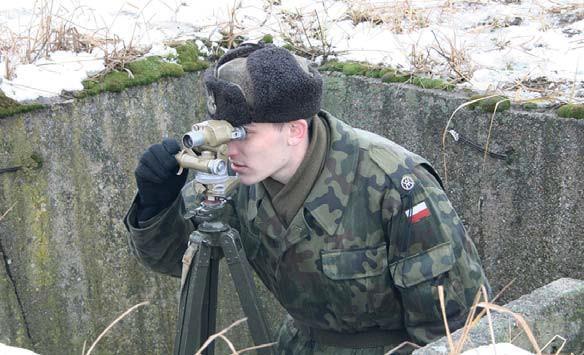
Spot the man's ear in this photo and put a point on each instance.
(297, 131)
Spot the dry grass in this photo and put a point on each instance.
(221, 335)
(399, 16)
(109, 327)
(444, 133)
(487, 306)
(7, 211)
(456, 56)
(53, 28)
(306, 33)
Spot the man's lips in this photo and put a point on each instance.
(237, 166)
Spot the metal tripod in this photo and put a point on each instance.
(198, 303)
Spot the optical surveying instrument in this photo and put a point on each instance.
(205, 151)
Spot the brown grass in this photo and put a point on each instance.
(444, 133)
(488, 306)
(52, 28)
(109, 327)
(221, 335)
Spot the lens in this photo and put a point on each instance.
(187, 141)
(193, 139)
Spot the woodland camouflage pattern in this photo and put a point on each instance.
(351, 259)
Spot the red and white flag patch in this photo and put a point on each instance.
(418, 212)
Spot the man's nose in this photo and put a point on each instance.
(232, 148)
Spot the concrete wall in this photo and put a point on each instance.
(66, 273)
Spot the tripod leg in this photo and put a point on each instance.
(190, 335)
(208, 325)
(244, 284)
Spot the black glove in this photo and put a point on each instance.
(158, 184)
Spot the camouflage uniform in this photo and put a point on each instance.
(375, 238)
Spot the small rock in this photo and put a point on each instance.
(570, 32)
(516, 21)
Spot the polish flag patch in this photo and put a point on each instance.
(418, 212)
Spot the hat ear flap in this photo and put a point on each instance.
(241, 51)
(225, 101)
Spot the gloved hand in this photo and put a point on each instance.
(158, 184)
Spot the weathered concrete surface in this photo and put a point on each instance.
(12, 324)
(522, 213)
(555, 309)
(65, 237)
(70, 261)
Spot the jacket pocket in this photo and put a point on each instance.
(418, 277)
(356, 283)
(354, 263)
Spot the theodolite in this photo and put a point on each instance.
(205, 199)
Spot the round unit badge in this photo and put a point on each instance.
(407, 183)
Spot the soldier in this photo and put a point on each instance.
(351, 232)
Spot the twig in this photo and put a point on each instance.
(212, 337)
(518, 318)
(7, 211)
(471, 320)
(256, 347)
(468, 324)
(401, 346)
(491, 330)
(446, 131)
(443, 309)
(554, 338)
(489, 133)
(114, 323)
(221, 335)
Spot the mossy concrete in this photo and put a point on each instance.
(70, 263)
(65, 240)
(12, 324)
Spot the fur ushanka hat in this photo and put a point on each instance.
(262, 83)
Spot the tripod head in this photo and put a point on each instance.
(205, 151)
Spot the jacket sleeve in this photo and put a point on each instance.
(160, 242)
(429, 247)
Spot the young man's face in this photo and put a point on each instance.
(263, 153)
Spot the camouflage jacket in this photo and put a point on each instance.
(375, 238)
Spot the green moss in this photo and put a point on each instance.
(395, 77)
(289, 47)
(195, 66)
(428, 83)
(188, 57)
(268, 38)
(116, 81)
(171, 69)
(332, 65)
(9, 107)
(147, 71)
(529, 106)
(572, 111)
(488, 104)
(143, 72)
(352, 68)
(373, 73)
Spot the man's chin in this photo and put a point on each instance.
(247, 180)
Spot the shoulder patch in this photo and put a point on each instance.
(397, 163)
